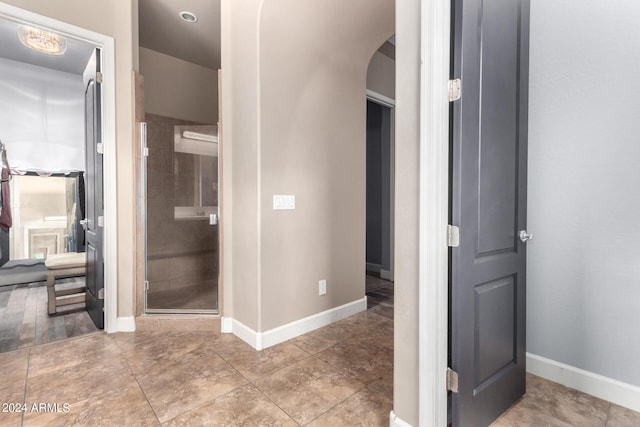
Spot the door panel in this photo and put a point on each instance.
(94, 193)
(488, 204)
(494, 304)
(498, 125)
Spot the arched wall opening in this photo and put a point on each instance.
(297, 127)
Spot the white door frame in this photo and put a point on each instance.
(434, 212)
(106, 44)
(390, 103)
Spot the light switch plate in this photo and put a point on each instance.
(284, 202)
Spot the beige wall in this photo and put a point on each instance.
(381, 75)
(405, 382)
(313, 128)
(298, 127)
(240, 163)
(111, 18)
(179, 89)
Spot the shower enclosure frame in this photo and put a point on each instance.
(143, 191)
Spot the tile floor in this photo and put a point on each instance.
(24, 321)
(339, 375)
(550, 404)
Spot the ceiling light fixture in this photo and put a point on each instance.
(189, 17)
(42, 40)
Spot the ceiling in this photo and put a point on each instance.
(162, 30)
(160, 27)
(73, 61)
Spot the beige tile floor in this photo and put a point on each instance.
(550, 404)
(339, 375)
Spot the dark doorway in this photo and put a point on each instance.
(379, 247)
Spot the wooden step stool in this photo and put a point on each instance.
(60, 266)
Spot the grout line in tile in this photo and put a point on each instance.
(252, 381)
(203, 404)
(277, 406)
(208, 402)
(364, 386)
(135, 377)
(339, 403)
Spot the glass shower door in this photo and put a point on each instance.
(181, 185)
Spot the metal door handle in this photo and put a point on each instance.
(524, 236)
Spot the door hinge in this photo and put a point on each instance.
(100, 221)
(143, 139)
(101, 293)
(455, 89)
(452, 380)
(146, 285)
(99, 77)
(100, 148)
(453, 236)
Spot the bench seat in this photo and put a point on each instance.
(60, 266)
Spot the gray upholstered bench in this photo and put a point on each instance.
(60, 266)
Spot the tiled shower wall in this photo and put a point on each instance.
(180, 253)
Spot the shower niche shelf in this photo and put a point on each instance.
(196, 170)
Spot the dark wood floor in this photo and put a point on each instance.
(24, 321)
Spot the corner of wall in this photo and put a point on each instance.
(620, 393)
(395, 421)
(262, 340)
(125, 324)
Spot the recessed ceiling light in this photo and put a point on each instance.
(189, 17)
(42, 40)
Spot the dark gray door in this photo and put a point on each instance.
(488, 203)
(93, 199)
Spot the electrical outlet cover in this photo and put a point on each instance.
(322, 287)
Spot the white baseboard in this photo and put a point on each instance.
(606, 388)
(246, 334)
(125, 324)
(394, 421)
(262, 340)
(386, 274)
(374, 268)
(226, 325)
(307, 324)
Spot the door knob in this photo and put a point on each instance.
(524, 236)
